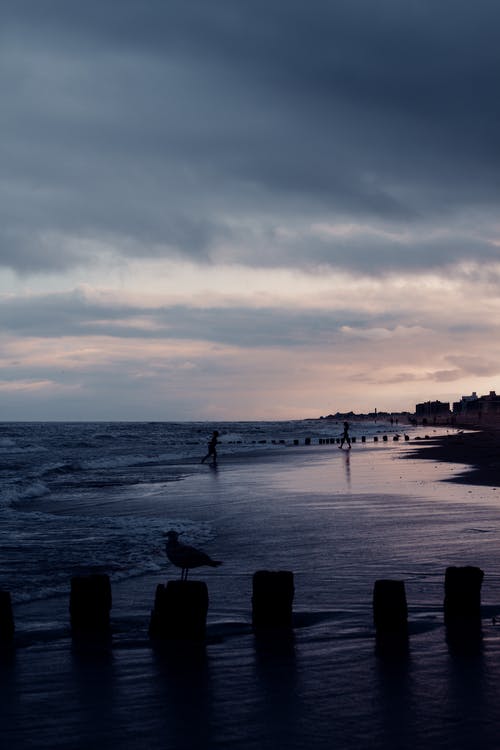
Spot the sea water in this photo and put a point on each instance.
(99, 497)
(73, 495)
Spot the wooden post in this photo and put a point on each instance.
(180, 611)
(272, 599)
(375, 439)
(390, 611)
(462, 610)
(90, 603)
(307, 441)
(462, 593)
(6, 617)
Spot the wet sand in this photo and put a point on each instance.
(479, 451)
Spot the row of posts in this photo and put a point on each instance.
(181, 607)
(331, 441)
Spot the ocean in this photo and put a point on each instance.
(80, 498)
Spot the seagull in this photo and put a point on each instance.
(185, 557)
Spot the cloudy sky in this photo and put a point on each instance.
(247, 210)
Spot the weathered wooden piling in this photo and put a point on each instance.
(390, 610)
(180, 611)
(375, 439)
(295, 442)
(363, 438)
(90, 603)
(307, 441)
(6, 617)
(272, 599)
(384, 438)
(462, 594)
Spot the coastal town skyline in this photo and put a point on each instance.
(247, 212)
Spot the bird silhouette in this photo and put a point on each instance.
(186, 557)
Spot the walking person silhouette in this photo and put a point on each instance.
(345, 436)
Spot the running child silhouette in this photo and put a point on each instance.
(212, 449)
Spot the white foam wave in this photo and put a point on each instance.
(26, 492)
(6, 443)
(121, 547)
(9, 446)
(115, 462)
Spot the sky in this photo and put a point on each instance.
(247, 210)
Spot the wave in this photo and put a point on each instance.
(26, 491)
(62, 468)
(37, 489)
(7, 443)
(117, 462)
(121, 547)
(9, 446)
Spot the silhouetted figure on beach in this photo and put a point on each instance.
(345, 436)
(212, 449)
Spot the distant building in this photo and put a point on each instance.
(476, 409)
(466, 404)
(433, 410)
(490, 403)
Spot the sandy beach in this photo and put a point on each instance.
(339, 521)
(478, 449)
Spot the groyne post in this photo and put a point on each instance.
(6, 617)
(462, 609)
(462, 594)
(272, 599)
(390, 610)
(90, 603)
(180, 611)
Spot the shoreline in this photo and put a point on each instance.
(478, 451)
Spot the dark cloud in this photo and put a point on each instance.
(175, 128)
(72, 314)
